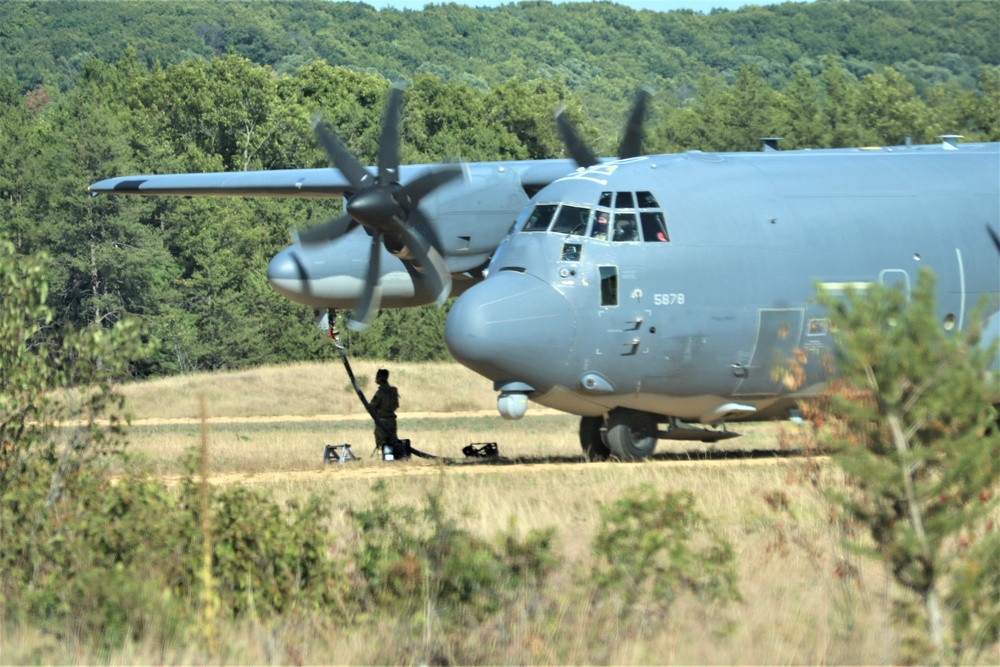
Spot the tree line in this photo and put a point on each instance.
(192, 270)
(600, 48)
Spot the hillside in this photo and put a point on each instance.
(601, 49)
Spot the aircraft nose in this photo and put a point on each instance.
(513, 327)
(287, 274)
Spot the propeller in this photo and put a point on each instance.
(388, 210)
(631, 143)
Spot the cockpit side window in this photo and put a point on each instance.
(605, 200)
(571, 220)
(540, 218)
(626, 229)
(654, 228)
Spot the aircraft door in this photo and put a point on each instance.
(625, 318)
(779, 331)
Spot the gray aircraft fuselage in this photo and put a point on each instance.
(693, 327)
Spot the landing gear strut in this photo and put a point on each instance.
(594, 439)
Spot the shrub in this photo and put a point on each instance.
(407, 556)
(646, 551)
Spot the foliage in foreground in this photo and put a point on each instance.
(909, 425)
(644, 552)
(117, 561)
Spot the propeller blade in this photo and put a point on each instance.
(575, 146)
(995, 237)
(631, 145)
(325, 232)
(428, 261)
(371, 297)
(341, 157)
(303, 274)
(388, 143)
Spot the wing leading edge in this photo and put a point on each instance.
(303, 183)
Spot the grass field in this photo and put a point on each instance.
(805, 600)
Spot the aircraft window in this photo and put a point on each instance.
(626, 228)
(653, 226)
(570, 252)
(605, 199)
(572, 220)
(602, 221)
(540, 218)
(609, 285)
(624, 200)
(647, 200)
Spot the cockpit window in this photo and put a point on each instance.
(654, 228)
(602, 223)
(571, 220)
(634, 217)
(540, 218)
(626, 229)
(624, 200)
(647, 200)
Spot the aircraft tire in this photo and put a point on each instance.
(594, 439)
(631, 434)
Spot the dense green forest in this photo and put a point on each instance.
(600, 48)
(93, 90)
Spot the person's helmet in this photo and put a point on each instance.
(382, 374)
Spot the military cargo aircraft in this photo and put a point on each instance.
(652, 295)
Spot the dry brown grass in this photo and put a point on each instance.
(799, 607)
(309, 389)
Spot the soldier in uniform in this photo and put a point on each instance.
(384, 404)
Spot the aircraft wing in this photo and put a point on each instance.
(321, 183)
(276, 183)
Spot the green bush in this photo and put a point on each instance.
(408, 556)
(649, 548)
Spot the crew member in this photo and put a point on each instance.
(600, 230)
(384, 404)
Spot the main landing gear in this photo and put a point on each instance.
(631, 435)
(628, 435)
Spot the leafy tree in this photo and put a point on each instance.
(800, 102)
(839, 104)
(916, 438)
(979, 108)
(411, 334)
(753, 111)
(889, 108)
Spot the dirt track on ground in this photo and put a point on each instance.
(183, 421)
(411, 469)
(370, 468)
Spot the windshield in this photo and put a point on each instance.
(620, 217)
